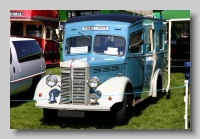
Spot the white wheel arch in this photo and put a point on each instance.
(153, 88)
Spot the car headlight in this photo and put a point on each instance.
(93, 82)
(93, 98)
(51, 80)
(98, 93)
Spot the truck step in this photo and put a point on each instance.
(138, 101)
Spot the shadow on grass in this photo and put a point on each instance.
(97, 120)
(20, 99)
(137, 110)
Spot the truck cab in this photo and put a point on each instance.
(109, 62)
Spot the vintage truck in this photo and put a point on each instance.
(111, 62)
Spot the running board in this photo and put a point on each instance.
(135, 102)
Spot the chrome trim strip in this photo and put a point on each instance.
(71, 76)
(27, 77)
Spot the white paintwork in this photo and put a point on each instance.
(153, 89)
(114, 87)
(20, 39)
(77, 63)
(43, 88)
(186, 103)
(180, 19)
(169, 56)
(72, 107)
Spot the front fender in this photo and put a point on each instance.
(45, 90)
(114, 88)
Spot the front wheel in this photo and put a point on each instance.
(120, 111)
(50, 115)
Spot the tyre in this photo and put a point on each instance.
(120, 111)
(50, 115)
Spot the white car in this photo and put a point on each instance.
(27, 65)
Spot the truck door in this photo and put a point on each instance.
(135, 67)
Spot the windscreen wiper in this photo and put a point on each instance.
(84, 35)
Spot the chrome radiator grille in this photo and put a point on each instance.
(78, 92)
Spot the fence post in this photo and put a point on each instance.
(186, 103)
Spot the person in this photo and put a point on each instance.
(110, 44)
(184, 34)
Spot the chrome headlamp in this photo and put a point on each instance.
(51, 80)
(93, 98)
(93, 82)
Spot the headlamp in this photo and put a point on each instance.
(93, 98)
(93, 82)
(51, 80)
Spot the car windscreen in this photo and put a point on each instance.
(110, 45)
(78, 44)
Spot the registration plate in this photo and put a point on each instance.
(64, 113)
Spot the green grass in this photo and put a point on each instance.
(167, 113)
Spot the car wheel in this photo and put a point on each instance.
(120, 111)
(50, 115)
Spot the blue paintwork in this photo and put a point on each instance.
(135, 66)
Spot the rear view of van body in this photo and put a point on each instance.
(27, 65)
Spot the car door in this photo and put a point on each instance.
(149, 62)
(21, 76)
(135, 66)
(13, 72)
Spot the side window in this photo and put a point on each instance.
(134, 39)
(162, 36)
(48, 33)
(16, 29)
(34, 30)
(152, 39)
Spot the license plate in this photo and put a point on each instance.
(64, 113)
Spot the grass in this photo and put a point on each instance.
(167, 113)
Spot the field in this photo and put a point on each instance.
(167, 113)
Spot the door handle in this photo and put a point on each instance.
(14, 69)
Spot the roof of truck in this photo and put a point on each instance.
(109, 17)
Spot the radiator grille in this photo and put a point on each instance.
(77, 95)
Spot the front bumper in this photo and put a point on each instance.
(72, 107)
